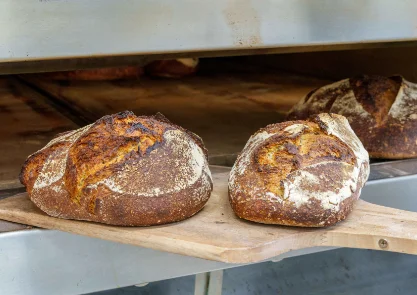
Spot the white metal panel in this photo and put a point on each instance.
(34, 29)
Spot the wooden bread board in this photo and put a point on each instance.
(216, 233)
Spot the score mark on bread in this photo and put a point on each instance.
(122, 170)
(302, 173)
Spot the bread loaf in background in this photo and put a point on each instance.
(382, 111)
(172, 68)
(100, 74)
(122, 170)
(299, 173)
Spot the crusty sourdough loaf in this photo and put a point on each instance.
(100, 74)
(382, 112)
(299, 173)
(122, 170)
(172, 68)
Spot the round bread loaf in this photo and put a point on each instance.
(101, 74)
(172, 68)
(382, 112)
(121, 170)
(299, 173)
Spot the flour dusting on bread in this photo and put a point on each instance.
(405, 105)
(54, 167)
(244, 158)
(189, 165)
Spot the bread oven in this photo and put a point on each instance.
(219, 71)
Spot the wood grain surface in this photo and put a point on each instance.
(217, 234)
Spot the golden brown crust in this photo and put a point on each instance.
(100, 74)
(121, 170)
(173, 68)
(382, 112)
(299, 173)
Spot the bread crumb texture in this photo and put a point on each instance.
(123, 169)
(304, 173)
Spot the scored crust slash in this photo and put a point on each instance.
(122, 170)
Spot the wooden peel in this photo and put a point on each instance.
(217, 234)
